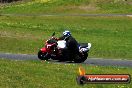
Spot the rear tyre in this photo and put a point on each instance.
(84, 56)
(43, 56)
(81, 58)
(78, 59)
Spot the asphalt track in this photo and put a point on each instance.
(93, 61)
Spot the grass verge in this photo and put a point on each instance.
(68, 7)
(35, 74)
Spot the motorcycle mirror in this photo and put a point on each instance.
(53, 34)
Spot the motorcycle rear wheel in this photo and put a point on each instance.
(80, 58)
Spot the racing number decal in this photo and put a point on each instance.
(48, 46)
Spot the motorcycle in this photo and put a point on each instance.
(53, 50)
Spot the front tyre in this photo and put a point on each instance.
(43, 55)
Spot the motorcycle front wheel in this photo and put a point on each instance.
(43, 55)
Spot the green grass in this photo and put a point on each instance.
(110, 36)
(35, 74)
(68, 7)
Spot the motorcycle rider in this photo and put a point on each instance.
(71, 51)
